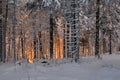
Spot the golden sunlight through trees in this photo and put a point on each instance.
(29, 53)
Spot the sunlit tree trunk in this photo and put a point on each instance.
(37, 48)
(59, 47)
(40, 45)
(18, 48)
(22, 45)
(83, 48)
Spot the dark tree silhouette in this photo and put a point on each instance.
(97, 29)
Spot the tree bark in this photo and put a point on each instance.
(110, 44)
(51, 36)
(9, 43)
(104, 46)
(97, 29)
(13, 31)
(64, 52)
(83, 49)
(35, 46)
(40, 45)
(4, 34)
(75, 16)
(22, 45)
(0, 32)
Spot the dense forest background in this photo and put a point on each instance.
(57, 29)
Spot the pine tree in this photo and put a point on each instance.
(72, 30)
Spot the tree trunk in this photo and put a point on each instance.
(9, 43)
(97, 29)
(0, 31)
(51, 36)
(64, 52)
(22, 44)
(4, 35)
(18, 48)
(40, 45)
(104, 46)
(59, 48)
(83, 49)
(37, 52)
(14, 25)
(35, 46)
(110, 44)
(75, 23)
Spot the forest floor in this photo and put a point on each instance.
(89, 68)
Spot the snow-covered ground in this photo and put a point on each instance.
(89, 68)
